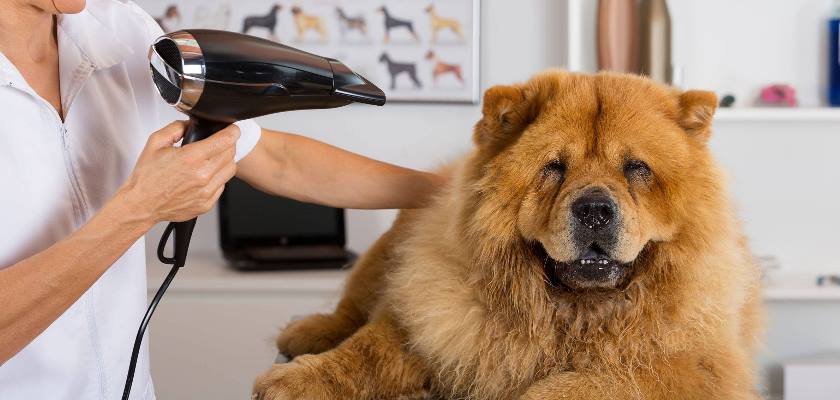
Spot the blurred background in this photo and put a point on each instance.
(776, 134)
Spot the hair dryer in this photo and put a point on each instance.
(219, 77)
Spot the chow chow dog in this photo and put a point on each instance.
(585, 249)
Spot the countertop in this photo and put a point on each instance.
(208, 272)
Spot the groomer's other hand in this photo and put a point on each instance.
(179, 183)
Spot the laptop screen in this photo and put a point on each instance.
(248, 217)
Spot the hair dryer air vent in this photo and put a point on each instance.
(178, 69)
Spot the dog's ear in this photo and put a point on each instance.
(697, 109)
(506, 111)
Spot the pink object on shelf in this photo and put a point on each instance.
(778, 95)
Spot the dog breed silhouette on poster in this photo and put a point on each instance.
(267, 21)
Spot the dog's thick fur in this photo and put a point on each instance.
(453, 301)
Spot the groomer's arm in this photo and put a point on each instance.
(167, 184)
(304, 169)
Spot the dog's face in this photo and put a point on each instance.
(595, 167)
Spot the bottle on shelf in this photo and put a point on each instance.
(618, 36)
(656, 41)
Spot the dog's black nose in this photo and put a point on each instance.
(595, 209)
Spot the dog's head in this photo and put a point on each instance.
(589, 171)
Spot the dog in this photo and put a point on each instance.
(440, 23)
(305, 22)
(170, 19)
(268, 21)
(392, 23)
(395, 69)
(441, 68)
(348, 23)
(585, 249)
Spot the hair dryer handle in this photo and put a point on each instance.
(200, 129)
(197, 129)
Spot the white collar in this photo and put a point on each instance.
(98, 44)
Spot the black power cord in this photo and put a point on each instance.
(138, 340)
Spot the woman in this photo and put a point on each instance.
(83, 179)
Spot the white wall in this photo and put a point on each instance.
(785, 177)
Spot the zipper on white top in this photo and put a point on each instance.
(79, 202)
(78, 197)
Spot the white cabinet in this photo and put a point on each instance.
(214, 329)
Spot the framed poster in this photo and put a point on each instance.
(415, 50)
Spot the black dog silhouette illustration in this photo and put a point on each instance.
(443, 68)
(347, 23)
(393, 23)
(170, 18)
(395, 69)
(268, 21)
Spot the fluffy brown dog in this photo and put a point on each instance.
(586, 249)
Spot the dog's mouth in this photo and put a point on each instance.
(593, 269)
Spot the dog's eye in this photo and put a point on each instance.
(636, 169)
(555, 169)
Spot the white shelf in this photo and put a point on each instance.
(802, 294)
(772, 114)
(799, 287)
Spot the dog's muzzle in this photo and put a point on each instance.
(595, 223)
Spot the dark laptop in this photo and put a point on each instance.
(263, 232)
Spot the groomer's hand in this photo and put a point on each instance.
(178, 183)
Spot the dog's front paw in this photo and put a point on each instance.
(312, 335)
(290, 381)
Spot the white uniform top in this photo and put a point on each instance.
(55, 175)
